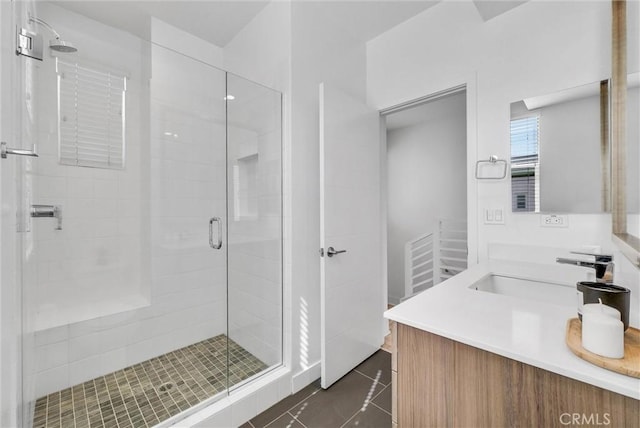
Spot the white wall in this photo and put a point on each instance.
(426, 179)
(321, 52)
(539, 47)
(260, 58)
(185, 43)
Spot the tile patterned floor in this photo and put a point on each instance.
(362, 398)
(149, 392)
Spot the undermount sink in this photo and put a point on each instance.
(559, 294)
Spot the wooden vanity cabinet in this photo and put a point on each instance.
(438, 382)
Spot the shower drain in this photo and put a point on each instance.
(165, 387)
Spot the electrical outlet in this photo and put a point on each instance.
(554, 220)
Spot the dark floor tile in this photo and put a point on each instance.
(371, 417)
(380, 361)
(383, 400)
(246, 425)
(334, 406)
(282, 406)
(285, 421)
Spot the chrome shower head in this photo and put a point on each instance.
(56, 44)
(62, 46)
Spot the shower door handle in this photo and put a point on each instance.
(216, 245)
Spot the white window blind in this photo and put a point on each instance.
(91, 112)
(525, 164)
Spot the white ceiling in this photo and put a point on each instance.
(489, 9)
(215, 21)
(219, 21)
(365, 19)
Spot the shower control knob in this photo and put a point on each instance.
(332, 251)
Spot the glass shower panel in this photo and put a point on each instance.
(159, 283)
(127, 302)
(254, 177)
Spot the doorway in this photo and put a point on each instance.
(426, 192)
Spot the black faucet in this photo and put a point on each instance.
(603, 265)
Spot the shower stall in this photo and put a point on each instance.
(149, 225)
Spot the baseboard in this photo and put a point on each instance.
(305, 377)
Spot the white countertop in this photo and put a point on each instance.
(528, 331)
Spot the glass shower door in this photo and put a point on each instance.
(254, 177)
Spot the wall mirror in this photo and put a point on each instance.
(560, 151)
(625, 135)
(628, 221)
(633, 154)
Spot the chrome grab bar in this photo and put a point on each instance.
(217, 245)
(50, 211)
(4, 151)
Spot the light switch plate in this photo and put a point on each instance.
(554, 220)
(493, 215)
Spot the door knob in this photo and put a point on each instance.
(332, 251)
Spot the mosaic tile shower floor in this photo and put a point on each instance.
(149, 392)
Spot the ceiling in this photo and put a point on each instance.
(215, 21)
(489, 9)
(365, 19)
(219, 21)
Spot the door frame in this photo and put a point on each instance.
(468, 84)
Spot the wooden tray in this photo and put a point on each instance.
(629, 365)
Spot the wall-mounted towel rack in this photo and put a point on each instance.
(493, 161)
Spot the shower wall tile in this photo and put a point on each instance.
(81, 268)
(53, 355)
(50, 380)
(52, 335)
(80, 188)
(148, 222)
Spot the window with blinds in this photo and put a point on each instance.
(91, 116)
(525, 164)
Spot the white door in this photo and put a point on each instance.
(351, 282)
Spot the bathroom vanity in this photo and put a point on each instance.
(479, 351)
